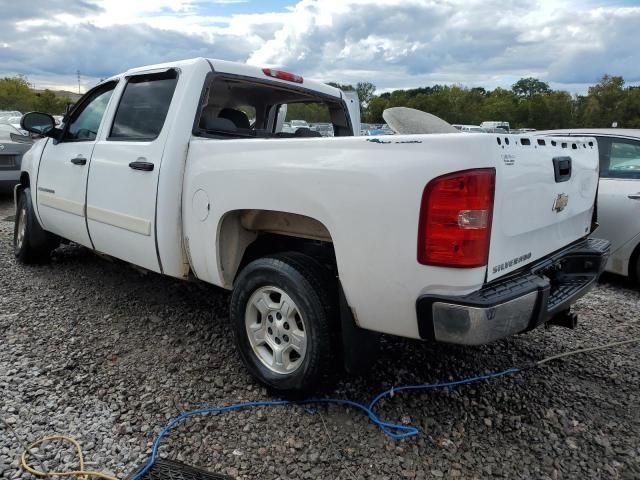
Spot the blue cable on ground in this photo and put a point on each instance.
(394, 430)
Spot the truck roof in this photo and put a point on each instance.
(236, 68)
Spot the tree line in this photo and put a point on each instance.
(16, 93)
(529, 103)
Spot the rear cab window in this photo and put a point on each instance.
(244, 108)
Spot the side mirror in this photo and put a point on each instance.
(38, 123)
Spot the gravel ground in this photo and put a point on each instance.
(99, 351)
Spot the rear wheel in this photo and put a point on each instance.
(282, 311)
(31, 244)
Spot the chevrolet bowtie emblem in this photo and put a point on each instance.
(561, 202)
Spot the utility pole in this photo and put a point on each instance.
(78, 72)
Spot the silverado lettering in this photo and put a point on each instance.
(512, 262)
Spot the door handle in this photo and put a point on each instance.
(634, 196)
(79, 160)
(143, 166)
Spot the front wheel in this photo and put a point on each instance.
(31, 244)
(282, 312)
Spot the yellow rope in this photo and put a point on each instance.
(74, 473)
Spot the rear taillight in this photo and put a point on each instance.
(455, 219)
(282, 75)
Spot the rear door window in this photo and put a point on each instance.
(143, 107)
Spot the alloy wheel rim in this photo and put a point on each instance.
(276, 330)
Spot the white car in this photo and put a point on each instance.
(618, 194)
(471, 128)
(322, 240)
(296, 124)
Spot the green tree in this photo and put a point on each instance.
(528, 87)
(16, 93)
(501, 105)
(49, 102)
(365, 91)
(376, 106)
(605, 103)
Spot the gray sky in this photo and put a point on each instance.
(394, 44)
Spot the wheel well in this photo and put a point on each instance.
(24, 180)
(246, 235)
(24, 183)
(268, 243)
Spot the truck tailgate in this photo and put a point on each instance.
(544, 198)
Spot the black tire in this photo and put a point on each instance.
(309, 286)
(31, 244)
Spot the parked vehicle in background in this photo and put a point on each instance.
(325, 129)
(13, 145)
(296, 124)
(618, 194)
(15, 123)
(471, 129)
(13, 119)
(10, 113)
(321, 240)
(504, 126)
(372, 129)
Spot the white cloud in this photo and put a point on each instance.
(394, 44)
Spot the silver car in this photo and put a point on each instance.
(12, 146)
(618, 194)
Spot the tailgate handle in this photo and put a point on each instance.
(562, 168)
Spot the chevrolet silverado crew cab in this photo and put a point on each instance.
(183, 169)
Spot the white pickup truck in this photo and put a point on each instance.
(183, 169)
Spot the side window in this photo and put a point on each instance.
(85, 122)
(144, 106)
(620, 158)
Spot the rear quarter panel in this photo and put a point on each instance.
(366, 192)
